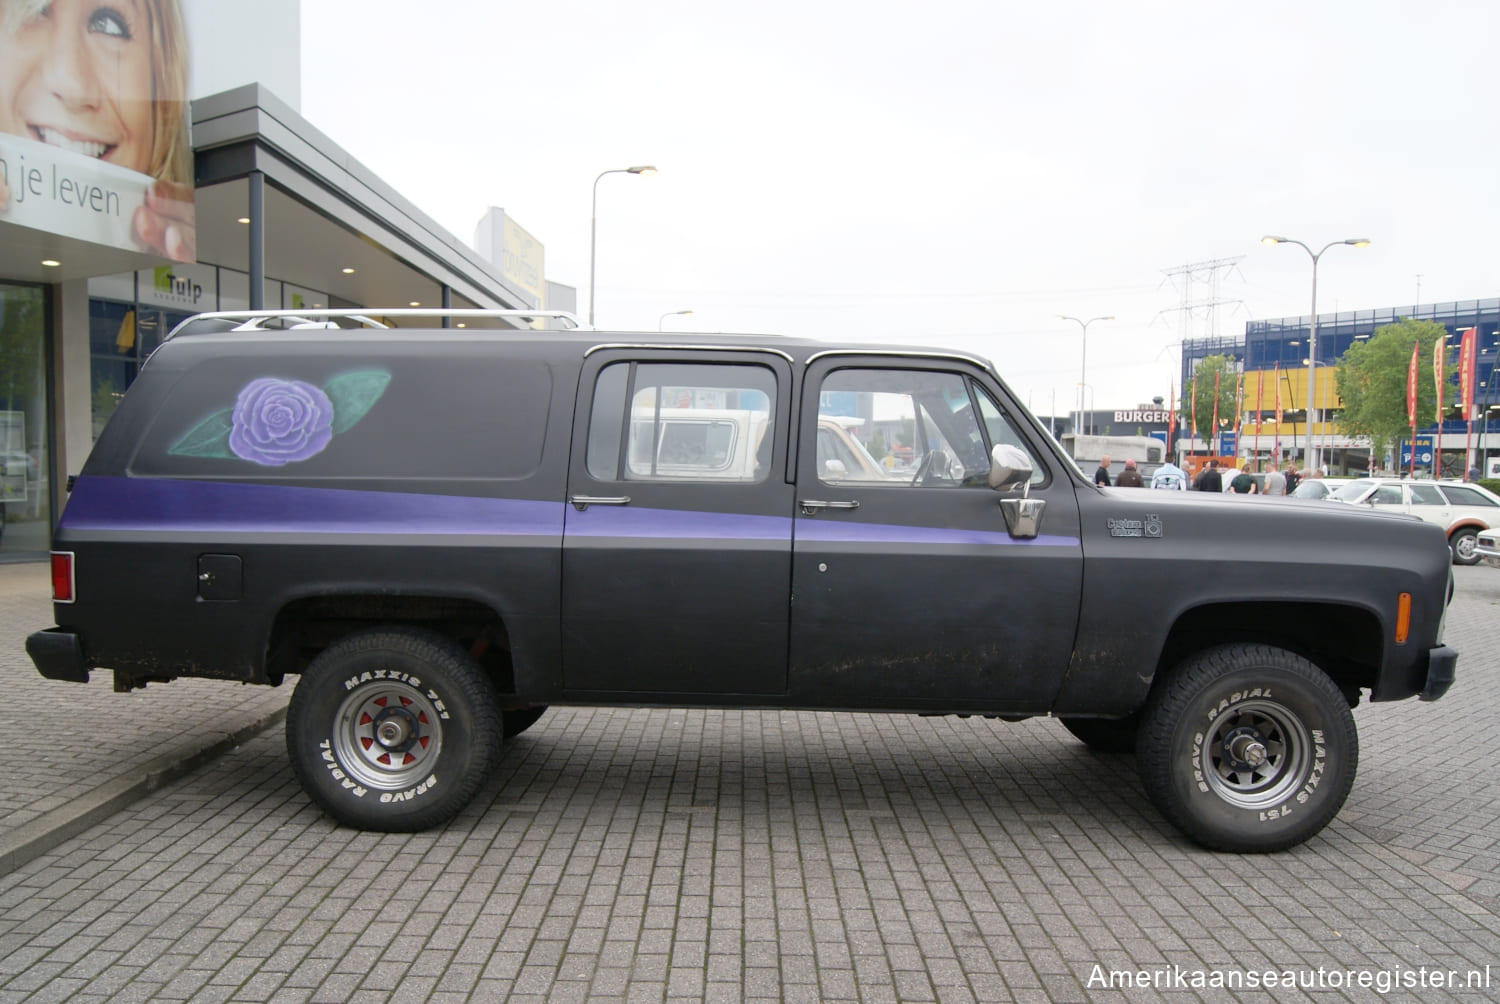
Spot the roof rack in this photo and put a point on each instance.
(256, 320)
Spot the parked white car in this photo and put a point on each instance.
(1318, 488)
(1487, 548)
(1463, 510)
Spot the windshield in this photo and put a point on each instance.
(1353, 490)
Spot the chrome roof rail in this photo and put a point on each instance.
(255, 320)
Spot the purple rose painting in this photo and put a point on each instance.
(278, 421)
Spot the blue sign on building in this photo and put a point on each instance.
(1424, 452)
(1228, 443)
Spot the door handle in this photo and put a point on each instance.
(811, 506)
(582, 502)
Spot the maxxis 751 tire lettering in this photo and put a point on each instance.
(1247, 748)
(393, 729)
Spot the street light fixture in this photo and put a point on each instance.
(1311, 453)
(670, 313)
(1083, 359)
(594, 221)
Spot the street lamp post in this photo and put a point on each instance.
(594, 223)
(1083, 360)
(671, 313)
(1312, 335)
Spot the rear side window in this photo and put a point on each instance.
(681, 422)
(1463, 495)
(432, 416)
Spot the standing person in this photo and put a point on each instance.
(1101, 476)
(1292, 477)
(1171, 477)
(108, 82)
(1130, 477)
(1209, 479)
(1275, 482)
(1242, 483)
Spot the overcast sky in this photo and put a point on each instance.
(944, 173)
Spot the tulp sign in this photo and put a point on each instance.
(94, 139)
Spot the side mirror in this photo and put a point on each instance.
(1009, 467)
(834, 470)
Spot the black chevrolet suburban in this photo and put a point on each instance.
(440, 531)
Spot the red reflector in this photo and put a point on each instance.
(62, 576)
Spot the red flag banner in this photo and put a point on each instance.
(1213, 430)
(1239, 403)
(1411, 386)
(1278, 398)
(1439, 356)
(1467, 350)
(1260, 400)
(1193, 406)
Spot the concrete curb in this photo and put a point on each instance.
(44, 833)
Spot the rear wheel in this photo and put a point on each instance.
(1248, 748)
(1462, 544)
(393, 729)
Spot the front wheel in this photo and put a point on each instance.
(1248, 748)
(393, 730)
(1462, 544)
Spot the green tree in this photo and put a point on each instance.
(1198, 396)
(1371, 380)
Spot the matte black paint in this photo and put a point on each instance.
(1079, 628)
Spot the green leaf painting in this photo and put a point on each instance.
(351, 394)
(209, 438)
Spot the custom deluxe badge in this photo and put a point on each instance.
(1148, 527)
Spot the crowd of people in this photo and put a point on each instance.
(1211, 478)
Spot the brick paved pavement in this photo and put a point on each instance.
(659, 854)
(80, 751)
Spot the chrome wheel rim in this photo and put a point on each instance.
(1465, 545)
(1255, 754)
(387, 735)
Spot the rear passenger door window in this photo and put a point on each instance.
(676, 422)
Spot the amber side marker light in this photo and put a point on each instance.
(1403, 617)
(62, 576)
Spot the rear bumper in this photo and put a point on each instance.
(58, 655)
(1442, 665)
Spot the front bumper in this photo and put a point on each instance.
(1442, 666)
(58, 655)
(1487, 549)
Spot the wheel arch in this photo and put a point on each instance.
(1345, 641)
(306, 625)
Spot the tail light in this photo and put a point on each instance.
(62, 577)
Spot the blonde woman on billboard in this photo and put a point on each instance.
(107, 81)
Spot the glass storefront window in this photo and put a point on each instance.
(26, 527)
(120, 338)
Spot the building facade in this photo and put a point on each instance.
(1272, 356)
(270, 214)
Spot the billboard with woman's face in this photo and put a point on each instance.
(94, 123)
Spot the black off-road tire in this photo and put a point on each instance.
(1107, 735)
(518, 721)
(1247, 748)
(393, 729)
(1462, 545)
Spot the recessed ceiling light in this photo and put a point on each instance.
(415, 303)
(461, 324)
(243, 219)
(348, 271)
(51, 263)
